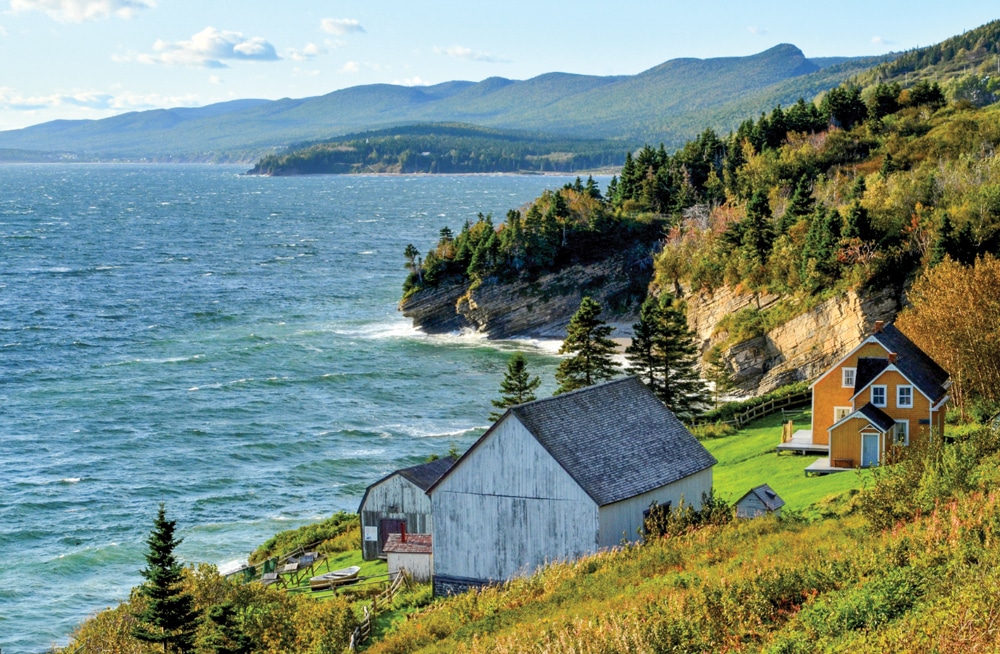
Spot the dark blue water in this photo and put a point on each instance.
(227, 345)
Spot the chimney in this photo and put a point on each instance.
(892, 357)
(879, 324)
(402, 533)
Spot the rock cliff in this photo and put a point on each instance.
(802, 348)
(540, 308)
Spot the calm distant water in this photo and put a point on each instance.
(227, 345)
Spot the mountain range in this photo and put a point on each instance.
(668, 103)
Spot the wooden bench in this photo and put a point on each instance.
(842, 463)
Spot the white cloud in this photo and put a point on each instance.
(462, 52)
(214, 79)
(350, 67)
(94, 100)
(208, 48)
(878, 40)
(759, 31)
(305, 72)
(77, 11)
(342, 26)
(410, 81)
(311, 51)
(3, 32)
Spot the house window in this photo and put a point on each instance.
(902, 432)
(904, 397)
(878, 396)
(841, 412)
(847, 376)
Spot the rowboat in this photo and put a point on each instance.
(335, 578)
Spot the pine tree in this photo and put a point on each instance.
(663, 354)
(587, 340)
(517, 386)
(169, 617)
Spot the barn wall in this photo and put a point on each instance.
(420, 566)
(395, 498)
(508, 508)
(623, 519)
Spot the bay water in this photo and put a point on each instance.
(227, 345)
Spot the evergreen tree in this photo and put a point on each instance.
(517, 386)
(663, 354)
(413, 261)
(221, 633)
(169, 617)
(587, 340)
(801, 204)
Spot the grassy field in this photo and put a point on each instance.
(748, 459)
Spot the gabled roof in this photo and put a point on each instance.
(414, 544)
(616, 440)
(422, 476)
(926, 375)
(867, 371)
(426, 474)
(771, 500)
(876, 416)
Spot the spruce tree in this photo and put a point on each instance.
(169, 617)
(517, 386)
(587, 340)
(663, 354)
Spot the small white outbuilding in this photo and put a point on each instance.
(412, 552)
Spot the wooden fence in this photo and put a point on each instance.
(380, 602)
(769, 407)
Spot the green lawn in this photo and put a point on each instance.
(748, 459)
(336, 562)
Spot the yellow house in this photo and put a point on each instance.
(884, 391)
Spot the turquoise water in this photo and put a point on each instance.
(227, 345)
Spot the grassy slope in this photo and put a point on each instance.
(759, 585)
(747, 459)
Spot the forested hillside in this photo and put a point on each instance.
(444, 148)
(867, 189)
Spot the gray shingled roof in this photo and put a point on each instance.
(868, 369)
(423, 475)
(919, 368)
(426, 474)
(876, 416)
(617, 440)
(772, 501)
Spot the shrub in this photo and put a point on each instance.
(287, 541)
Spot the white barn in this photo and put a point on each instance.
(396, 502)
(560, 478)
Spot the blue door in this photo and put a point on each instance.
(869, 449)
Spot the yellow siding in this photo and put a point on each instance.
(921, 409)
(829, 392)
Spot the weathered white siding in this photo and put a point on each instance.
(420, 566)
(396, 498)
(751, 506)
(623, 519)
(508, 508)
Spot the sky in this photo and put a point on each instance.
(89, 59)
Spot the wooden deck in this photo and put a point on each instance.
(802, 443)
(823, 467)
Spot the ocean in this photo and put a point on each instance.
(227, 345)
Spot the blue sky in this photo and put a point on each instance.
(96, 58)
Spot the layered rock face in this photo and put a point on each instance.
(799, 350)
(540, 308)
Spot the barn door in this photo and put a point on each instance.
(388, 526)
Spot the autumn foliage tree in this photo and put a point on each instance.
(955, 317)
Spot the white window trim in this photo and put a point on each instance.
(906, 440)
(846, 411)
(843, 377)
(900, 405)
(885, 396)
